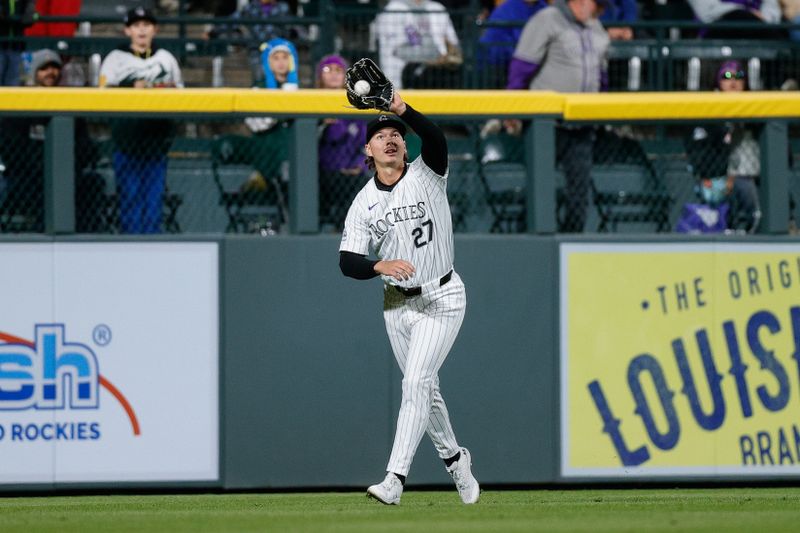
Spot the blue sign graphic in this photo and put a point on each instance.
(50, 374)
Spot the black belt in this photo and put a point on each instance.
(416, 291)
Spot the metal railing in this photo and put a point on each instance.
(665, 56)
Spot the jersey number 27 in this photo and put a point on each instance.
(419, 234)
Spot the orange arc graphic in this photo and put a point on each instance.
(11, 339)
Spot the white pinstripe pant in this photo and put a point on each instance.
(422, 329)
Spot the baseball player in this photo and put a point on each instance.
(403, 216)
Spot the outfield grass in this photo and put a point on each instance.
(717, 510)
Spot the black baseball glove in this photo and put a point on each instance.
(381, 90)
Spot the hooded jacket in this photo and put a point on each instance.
(269, 78)
(556, 52)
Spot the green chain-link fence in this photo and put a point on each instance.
(193, 176)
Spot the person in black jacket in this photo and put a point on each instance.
(726, 158)
(22, 152)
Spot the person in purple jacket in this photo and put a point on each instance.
(342, 164)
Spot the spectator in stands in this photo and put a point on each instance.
(342, 166)
(279, 60)
(545, 59)
(222, 9)
(617, 11)
(15, 16)
(262, 10)
(269, 143)
(726, 159)
(22, 152)
(141, 145)
(55, 8)
(744, 161)
(755, 11)
(496, 45)
(417, 44)
(72, 72)
(791, 13)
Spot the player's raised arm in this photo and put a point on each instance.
(434, 144)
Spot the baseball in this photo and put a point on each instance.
(361, 87)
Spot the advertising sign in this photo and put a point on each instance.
(680, 359)
(109, 357)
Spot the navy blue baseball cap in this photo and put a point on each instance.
(385, 121)
(139, 13)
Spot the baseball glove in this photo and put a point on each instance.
(381, 90)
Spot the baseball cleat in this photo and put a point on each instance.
(387, 491)
(461, 472)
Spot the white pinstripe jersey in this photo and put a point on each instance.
(410, 222)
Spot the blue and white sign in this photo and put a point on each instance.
(109, 362)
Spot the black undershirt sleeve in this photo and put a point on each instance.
(356, 266)
(434, 144)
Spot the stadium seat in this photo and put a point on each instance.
(255, 204)
(504, 178)
(625, 193)
(625, 187)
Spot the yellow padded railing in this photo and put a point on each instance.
(589, 107)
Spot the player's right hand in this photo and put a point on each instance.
(398, 269)
(398, 106)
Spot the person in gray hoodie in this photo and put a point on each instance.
(564, 48)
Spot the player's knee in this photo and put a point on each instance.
(417, 385)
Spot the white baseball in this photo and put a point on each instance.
(361, 87)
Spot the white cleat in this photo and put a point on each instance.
(467, 485)
(387, 491)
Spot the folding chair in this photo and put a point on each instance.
(504, 178)
(627, 193)
(234, 158)
(625, 187)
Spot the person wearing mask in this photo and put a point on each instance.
(726, 160)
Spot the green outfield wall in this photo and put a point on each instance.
(311, 389)
(239, 362)
(245, 362)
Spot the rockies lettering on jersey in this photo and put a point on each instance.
(395, 216)
(412, 221)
